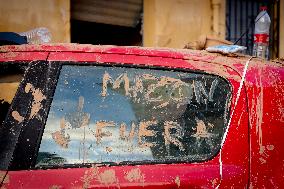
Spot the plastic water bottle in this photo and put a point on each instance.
(37, 35)
(261, 34)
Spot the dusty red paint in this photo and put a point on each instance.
(252, 155)
(23, 56)
(266, 89)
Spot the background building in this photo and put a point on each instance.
(158, 23)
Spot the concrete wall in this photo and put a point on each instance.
(173, 23)
(23, 15)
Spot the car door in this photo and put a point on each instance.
(114, 121)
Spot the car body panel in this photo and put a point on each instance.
(23, 56)
(250, 129)
(265, 89)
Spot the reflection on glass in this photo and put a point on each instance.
(115, 114)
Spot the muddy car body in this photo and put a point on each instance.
(90, 116)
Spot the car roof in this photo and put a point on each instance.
(235, 61)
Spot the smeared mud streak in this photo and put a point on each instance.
(99, 126)
(38, 97)
(230, 119)
(4, 176)
(107, 177)
(177, 181)
(122, 132)
(135, 175)
(89, 175)
(259, 113)
(201, 131)
(55, 187)
(17, 116)
(108, 149)
(60, 139)
(167, 136)
(143, 131)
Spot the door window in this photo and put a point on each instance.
(121, 114)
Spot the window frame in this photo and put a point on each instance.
(59, 65)
(13, 63)
(16, 152)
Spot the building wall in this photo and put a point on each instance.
(24, 15)
(173, 23)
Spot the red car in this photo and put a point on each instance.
(88, 116)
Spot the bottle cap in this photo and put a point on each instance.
(263, 8)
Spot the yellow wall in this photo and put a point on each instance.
(173, 23)
(24, 15)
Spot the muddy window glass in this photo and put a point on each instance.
(117, 114)
(11, 75)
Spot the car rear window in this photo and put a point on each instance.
(121, 114)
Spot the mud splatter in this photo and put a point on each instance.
(108, 149)
(115, 83)
(214, 182)
(9, 55)
(99, 130)
(251, 186)
(106, 77)
(259, 111)
(163, 82)
(86, 120)
(118, 81)
(214, 69)
(162, 105)
(6, 179)
(89, 175)
(17, 116)
(170, 138)
(38, 97)
(270, 147)
(137, 88)
(62, 123)
(55, 187)
(262, 160)
(107, 177)
(135, 175)
(143, 131)
(201, 131)
(61, 139)
(122, 132)
(177, 181)
(2, 174)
